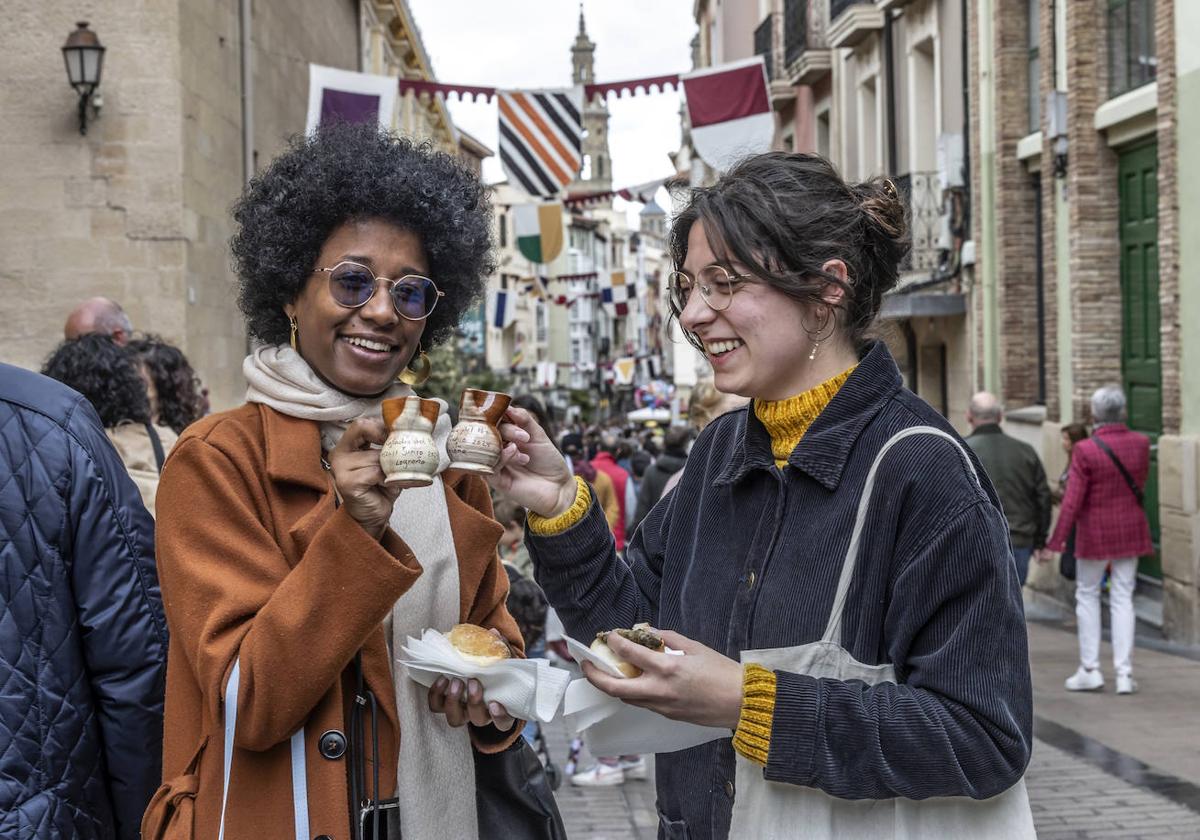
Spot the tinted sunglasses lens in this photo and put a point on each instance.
(414, 296)
(351, 286)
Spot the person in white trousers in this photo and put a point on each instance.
(1104, 505)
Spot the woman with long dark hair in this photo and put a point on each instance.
(833, 563)
(177, 398)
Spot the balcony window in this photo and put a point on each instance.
(763, 44)
(795, 29)
(1132, 60)
(836, 7)
(1035, 69)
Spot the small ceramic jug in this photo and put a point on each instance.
(474, 443)
(409, 457)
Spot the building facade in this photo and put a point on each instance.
(138, 209)
(1083, 276)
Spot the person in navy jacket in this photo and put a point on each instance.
(83, 641)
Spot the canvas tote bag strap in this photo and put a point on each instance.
(833, 630)
(299, 769)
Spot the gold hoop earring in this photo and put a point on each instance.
(292, 337)
(417, 374)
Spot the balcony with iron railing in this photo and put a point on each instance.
(764, 45)
(806, 55)
(921, 194)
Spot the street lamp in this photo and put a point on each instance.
(84, 57)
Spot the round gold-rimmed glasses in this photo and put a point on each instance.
(352, 284)
(716, 285)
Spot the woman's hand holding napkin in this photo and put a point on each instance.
(529, 689)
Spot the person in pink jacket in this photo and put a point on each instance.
(1104, 503)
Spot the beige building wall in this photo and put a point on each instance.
(81, 216)
(139, 209)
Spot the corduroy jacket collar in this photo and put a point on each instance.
(824, 449)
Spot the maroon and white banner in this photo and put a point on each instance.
(729, 107)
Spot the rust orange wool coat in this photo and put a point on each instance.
(256, 563)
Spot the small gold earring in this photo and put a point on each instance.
(417, 372)
(292, 338)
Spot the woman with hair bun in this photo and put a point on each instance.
(834, 562)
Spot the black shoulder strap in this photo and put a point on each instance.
(159, 455)
(1137, 491)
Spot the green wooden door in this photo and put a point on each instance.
(1141, 356)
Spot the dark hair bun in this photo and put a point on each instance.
(886, 220)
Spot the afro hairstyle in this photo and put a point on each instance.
(349, 172)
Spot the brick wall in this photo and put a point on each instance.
(1046, 51)
(1168, 214)
(1015, 208)
(1092, 207)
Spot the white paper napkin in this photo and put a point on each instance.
(530, 689)
(611, 727)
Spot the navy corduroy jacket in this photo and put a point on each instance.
(743, 555)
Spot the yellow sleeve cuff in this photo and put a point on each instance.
(553, 526)
(752, 739)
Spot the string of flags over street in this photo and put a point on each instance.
(541, 151)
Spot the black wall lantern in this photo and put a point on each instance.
(84, 57)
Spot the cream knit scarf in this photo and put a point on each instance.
(436, 774)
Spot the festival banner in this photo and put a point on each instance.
(501, 308)
(541, 138)
(729, 108)
(614, 294)
(539, 230)
(343, 95)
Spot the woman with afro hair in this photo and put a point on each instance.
(290, 572)
(115, 382)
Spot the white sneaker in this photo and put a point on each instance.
(1085, 680)
(1126, 684)
(634, 769)
(599, 775)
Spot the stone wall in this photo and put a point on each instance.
(138, 210)
(286, 37)
(95, 215)
(1179, 512)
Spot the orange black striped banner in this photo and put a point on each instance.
(541, 138)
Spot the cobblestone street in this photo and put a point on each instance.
(1095, 773)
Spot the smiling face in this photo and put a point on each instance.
(359, 351)
(758, 347)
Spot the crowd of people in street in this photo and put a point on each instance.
(209, 606)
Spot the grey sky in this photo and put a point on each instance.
(527, 43)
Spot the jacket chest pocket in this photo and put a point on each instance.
(172, 811)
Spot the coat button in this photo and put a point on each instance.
(729, 789)
(750, 585)
(333, 745)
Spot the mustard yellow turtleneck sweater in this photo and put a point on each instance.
(786, 421)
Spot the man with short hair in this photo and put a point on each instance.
(1017, 473)
(84, 657)
(99, 315)
(1104, 504)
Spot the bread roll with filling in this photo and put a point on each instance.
(478, 645)
(639, 634)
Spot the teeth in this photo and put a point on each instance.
(719, 347)
(370, 345)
